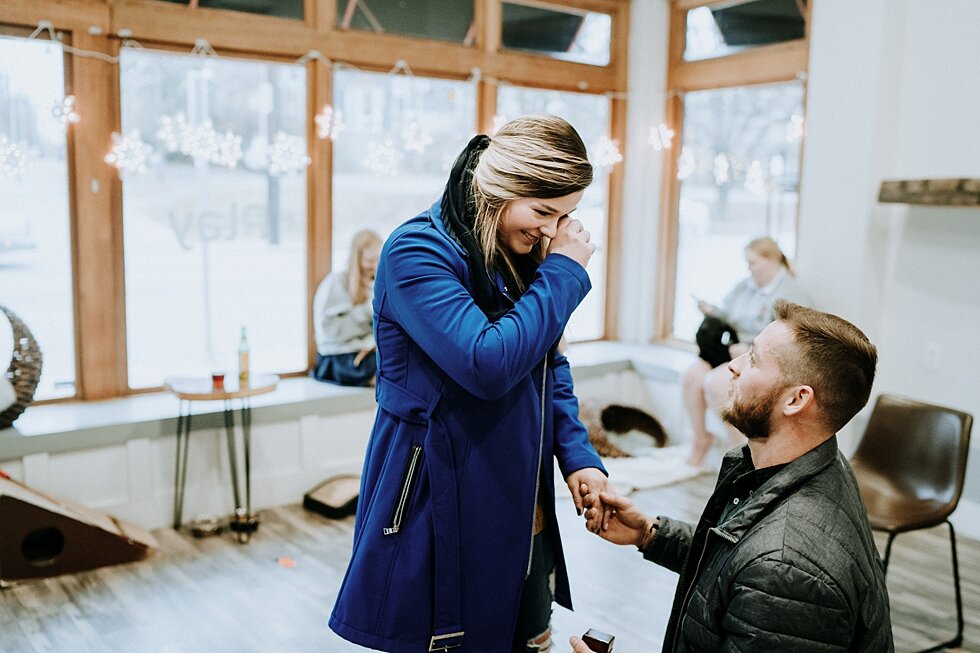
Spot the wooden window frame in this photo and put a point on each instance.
(767, 64)
(95, 191)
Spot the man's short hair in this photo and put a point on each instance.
(832, 356)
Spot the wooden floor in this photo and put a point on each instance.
(216, 595)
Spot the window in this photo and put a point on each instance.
(35, 235)
(727, 30)
(400, 135)
(446, 20)
(573, 36)
(280, 8)
(739, 174)
(589, 114)
(215, 219)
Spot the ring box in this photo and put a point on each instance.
(598, 641)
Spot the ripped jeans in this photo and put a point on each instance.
(533, 632)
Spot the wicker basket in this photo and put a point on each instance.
(24, 371)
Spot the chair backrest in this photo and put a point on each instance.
(920, 448)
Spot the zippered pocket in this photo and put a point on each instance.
(411, 472)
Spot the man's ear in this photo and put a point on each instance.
(801, 398)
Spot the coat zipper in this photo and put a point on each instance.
(537, 468)
(687, 595)
(413, 461)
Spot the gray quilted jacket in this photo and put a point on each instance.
(793, 569)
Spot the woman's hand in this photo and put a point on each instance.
(572, 240)
(586, 481)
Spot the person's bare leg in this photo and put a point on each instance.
(692, 389)
(716, 385)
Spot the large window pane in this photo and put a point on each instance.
(739, 179)
(35, 242)
(570, 35)
(589, 114)
(400, 137)
(215, 228)
(727, 30)
(445, 20)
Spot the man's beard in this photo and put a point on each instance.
(754, 418)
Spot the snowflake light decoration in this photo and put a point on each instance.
(288, 155)
(382, 158)
(128, 153)
(661, 137)
(794, 129)
(606, 153)
(329, 122)
(13, 158)
(415, 138)
(64, 112)
(200, 142)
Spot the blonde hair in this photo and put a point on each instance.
(357, 285)
(538, 156)
(766, 247)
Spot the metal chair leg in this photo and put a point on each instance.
(957, 641)
(888, 552)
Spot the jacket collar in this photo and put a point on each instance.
(784, 482)
(435, 216)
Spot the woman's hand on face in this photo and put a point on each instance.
(573, 241)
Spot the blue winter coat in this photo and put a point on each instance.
(445, 517)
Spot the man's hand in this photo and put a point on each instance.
(572, 240)
(615, 519)
(583, 482)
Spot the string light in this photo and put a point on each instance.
(382, 158)
(661, 137)
(329, 122)
(606, 153)
(13, 158)
(128, 153)
(64, 112)
(288, 155)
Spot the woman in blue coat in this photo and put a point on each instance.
(456, 543)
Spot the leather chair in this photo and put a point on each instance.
(910, 466)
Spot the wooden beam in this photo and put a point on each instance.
(166, 22)
(96, 203)
(319, 194)
(780, 62)
(77, 15)
(614, 220)
(667, 244)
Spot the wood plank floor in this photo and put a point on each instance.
(216, 595)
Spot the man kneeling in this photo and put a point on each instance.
(782, 558)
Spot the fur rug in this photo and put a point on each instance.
(615, 418)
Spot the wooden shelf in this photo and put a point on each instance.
(933, 192)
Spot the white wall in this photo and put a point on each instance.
(893, 92)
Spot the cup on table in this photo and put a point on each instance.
(218, 380)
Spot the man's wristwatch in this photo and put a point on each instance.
(650, 535)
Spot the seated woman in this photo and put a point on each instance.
(342, 315)
(728, 331)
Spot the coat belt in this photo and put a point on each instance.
(447, 628)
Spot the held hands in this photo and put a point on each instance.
(584, 481)
(615, 519)
(573, 241)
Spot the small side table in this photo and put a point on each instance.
(189, 390)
